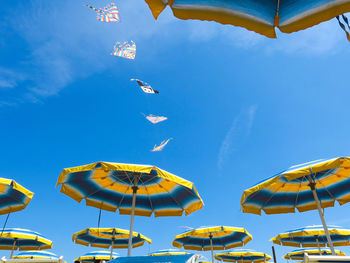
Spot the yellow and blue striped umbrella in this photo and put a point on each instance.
(313, 185)
(166, 252)
(242, 256)
(96, 255)
(32, 254)
(108, 238)
(261, 16)
(313, 236)
(212, 238)
(131, 189)
(23, 239)
(299, 253)
(13, 196)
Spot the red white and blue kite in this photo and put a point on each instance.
(109, 14)
(125, 50)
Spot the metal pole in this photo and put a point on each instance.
(274, 254)
(211, 247)
(134, 190)
(313, 189)
(112, 245)
(318, 245)
(13, 247)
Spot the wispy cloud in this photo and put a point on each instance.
(9, 78)
(240, 129)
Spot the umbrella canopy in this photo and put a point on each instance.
(313, 236)
(96, 255)
(13, 196)
(309, 186)
(242, 255)
(32, 254)
(299, 253)
(212, 238)
(260, 16)
(108, 237)
(23, 239)
(131, 189)
(165, 252)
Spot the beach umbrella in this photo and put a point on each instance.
(212, 238)
(309, 186)
(108, 238)
(32, 254)
(313, 236)
(22, 239)
(299, 253)
(91, 257)
(13, 196)
(258, 16)
(132, 189)
(166, 252)
(242, 256)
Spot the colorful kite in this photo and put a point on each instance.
(145, 87)
(161, 146)
(108, 14)
(155, 119)
(125, 50)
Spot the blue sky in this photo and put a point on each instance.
(241, 108)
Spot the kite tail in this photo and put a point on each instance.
(343, 26)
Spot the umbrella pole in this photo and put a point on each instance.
(318, 245)
(211, 247)
(313, 189)
(112, 245)
(274, 254)
(134, 190)
(13, 247)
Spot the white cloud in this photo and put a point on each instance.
(239, 130)
(9, 78)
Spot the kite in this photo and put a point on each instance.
(125, 50)
(145, 87)
(155, 119)
(108, 14)
(161, 146)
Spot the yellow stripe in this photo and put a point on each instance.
(316, 18)
(240, 20)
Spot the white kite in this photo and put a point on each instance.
(155, 119)
(161, 146)
(145, 87)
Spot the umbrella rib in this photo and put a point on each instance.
(296, 199)
(320, 182)
(171, 196)
(274, 193)
(148, 195)
(103, 186)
